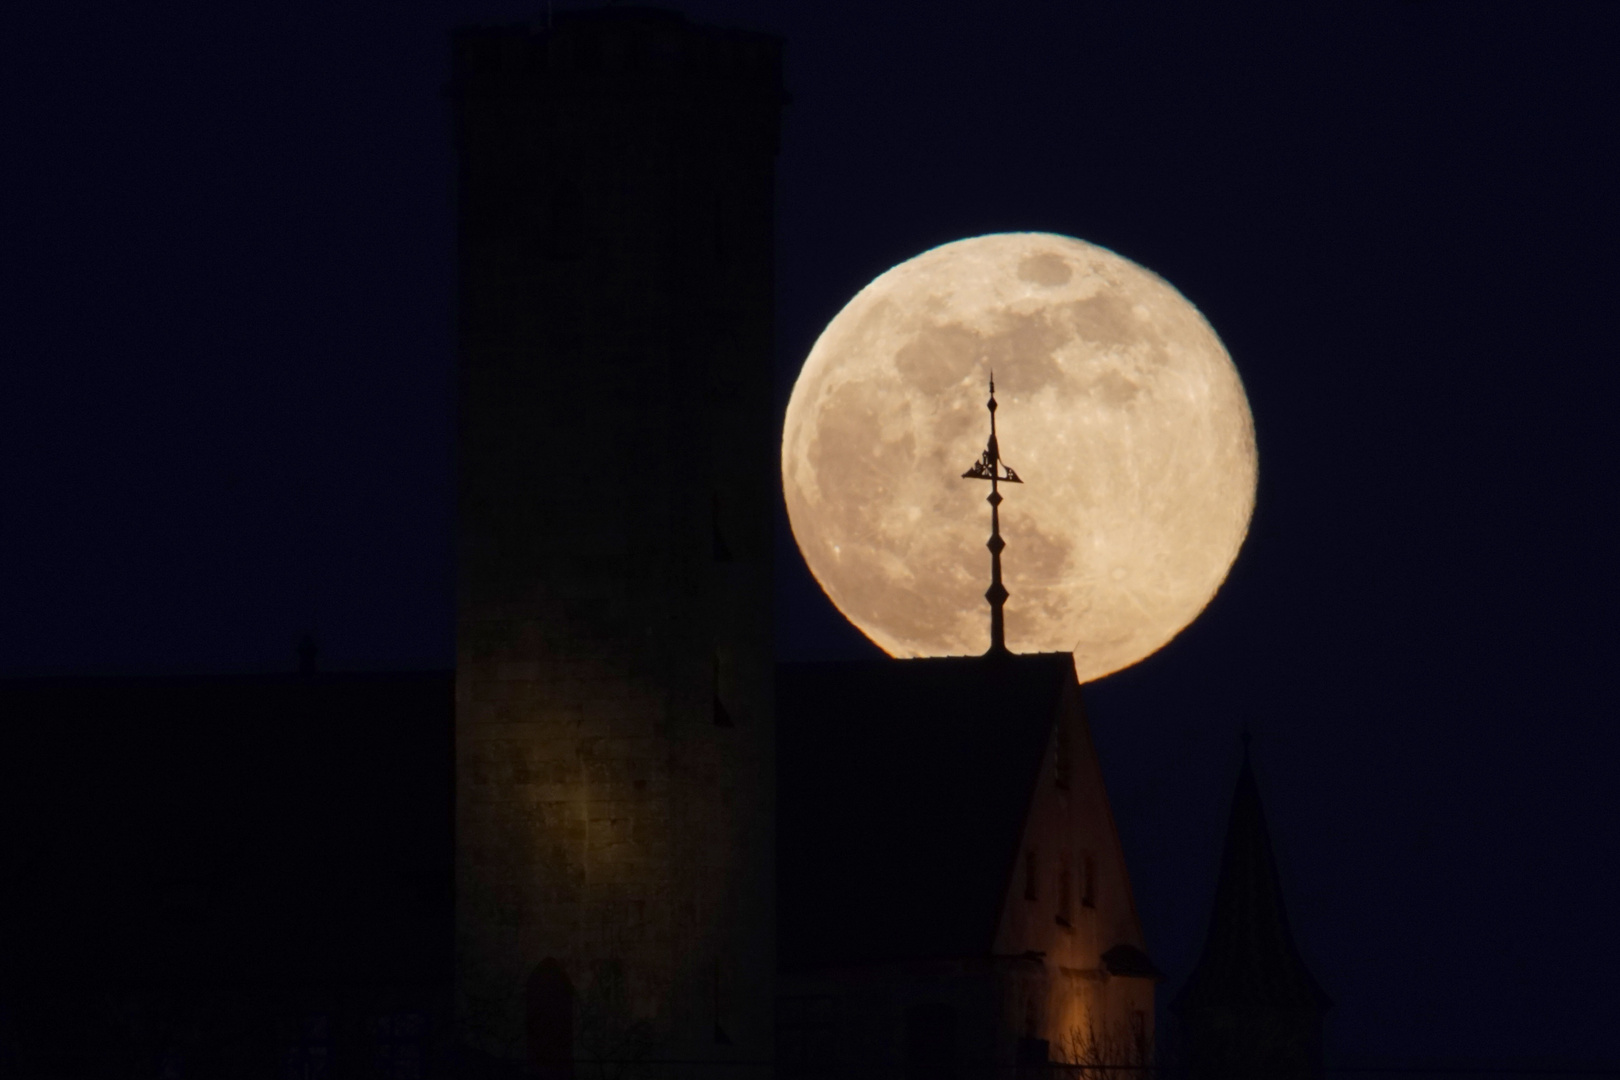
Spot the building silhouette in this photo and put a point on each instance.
(252, 876)
(619, 833)
(953, 897)
(1250, 1005)
(226, 876)
(617, 475)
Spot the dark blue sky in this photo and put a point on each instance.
(225, 411)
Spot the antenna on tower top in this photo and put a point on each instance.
(990, 467)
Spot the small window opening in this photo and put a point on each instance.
(1032, 879)
(722, 716)
(1088, 886)
(1063, 895)
(549, 1020)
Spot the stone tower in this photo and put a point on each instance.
(1250, 1006)
(614, 746)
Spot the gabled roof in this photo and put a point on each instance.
(902, 792)
(1250, 958)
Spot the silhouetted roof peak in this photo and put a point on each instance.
(903, 787)
(1250, 957)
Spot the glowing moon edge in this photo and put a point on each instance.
(1119, 407)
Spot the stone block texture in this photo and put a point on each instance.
(617, 448)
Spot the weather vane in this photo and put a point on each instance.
(990, 467)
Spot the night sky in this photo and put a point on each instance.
(226, 414)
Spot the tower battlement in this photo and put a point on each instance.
(614, 51)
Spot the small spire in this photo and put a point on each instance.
(1250, 959)
(990, 467)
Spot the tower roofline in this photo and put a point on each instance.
(1249, 956)
(612, 50)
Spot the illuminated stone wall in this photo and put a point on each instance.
(614, 679)
(1092, 997)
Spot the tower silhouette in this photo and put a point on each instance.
(1250, 1007)
(614, 663)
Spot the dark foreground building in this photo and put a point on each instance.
(226, 877)
(253, 877)
(952, 894)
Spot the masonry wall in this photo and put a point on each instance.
(614, 667)
(1070, 904)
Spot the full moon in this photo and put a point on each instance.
(1118, 407)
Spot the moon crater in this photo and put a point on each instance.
(1120, 410)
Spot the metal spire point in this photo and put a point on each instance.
(990, 467)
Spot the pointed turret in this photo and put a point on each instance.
(1250, 1004)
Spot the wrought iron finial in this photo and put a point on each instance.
(990, 467)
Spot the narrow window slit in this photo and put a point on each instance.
(1063, 895)
(722, 716)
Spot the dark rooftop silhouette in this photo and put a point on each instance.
(902, 789)
(230, 855)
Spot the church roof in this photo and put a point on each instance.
(903, 787)
(1250, 957)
